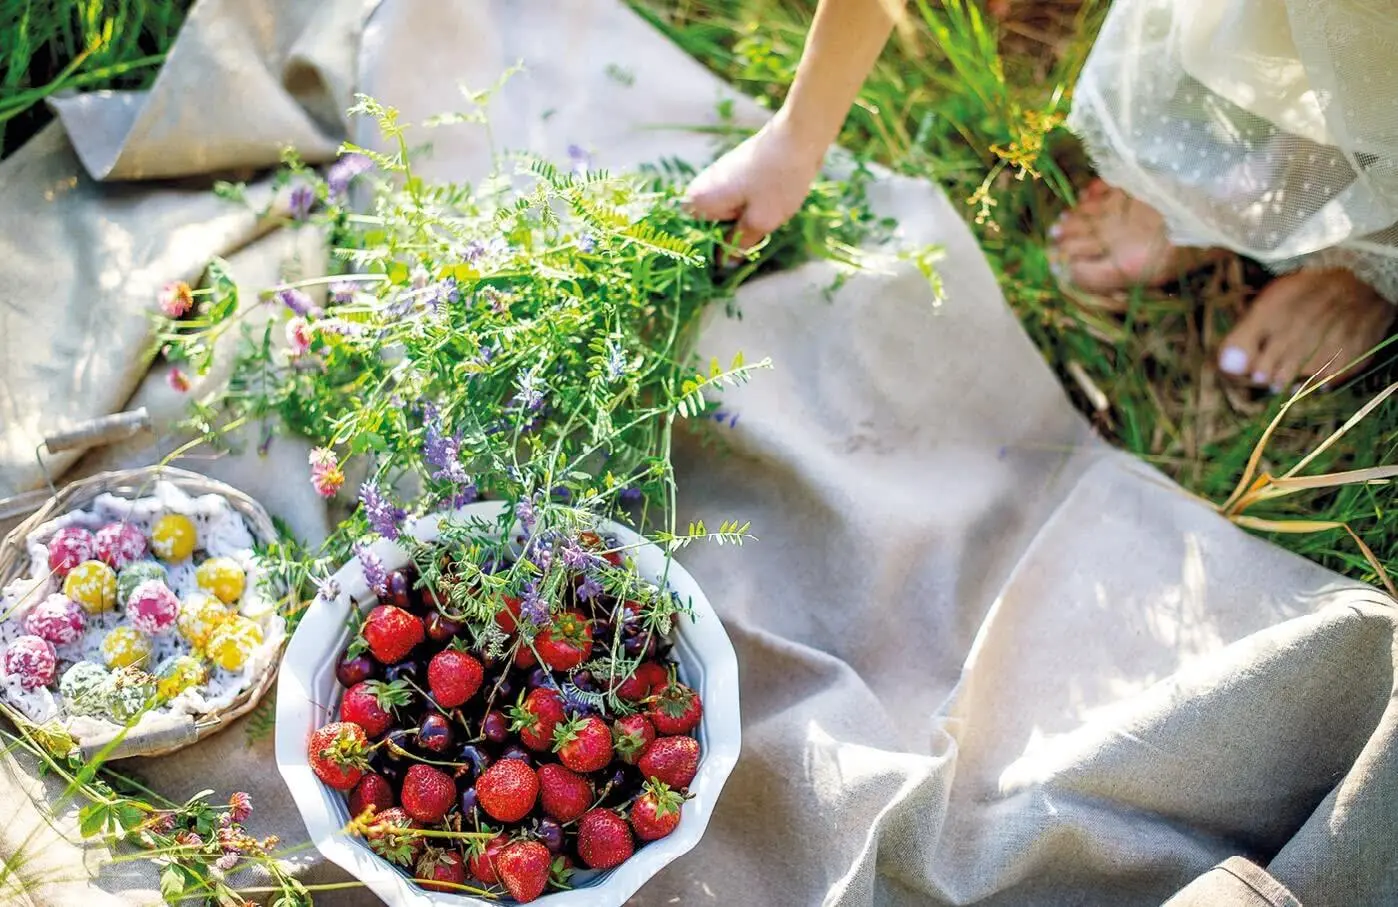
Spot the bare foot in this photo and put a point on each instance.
(1111, 242)
(1303, 324)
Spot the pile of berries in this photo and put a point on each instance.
(474, 771)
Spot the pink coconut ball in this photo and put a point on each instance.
(152, 607)
(119, 544)
(57, 619)
(69, 547)
(32, 660)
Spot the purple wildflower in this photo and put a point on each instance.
(524, 512)
(589, 588)
(443, 452)
(473, 251)
(463, 496)
(343, 172)
(227, 861)
(381, 513)
(374, 573)
(328, 588)
(295, 300)
(439, 294)
(493, 299)
(574, 700)
(529, 394)
(302, 198)
(533, 608)
(579, 159)
(630, 496)
(574, 556)
(342, 291)
(616, 361)
(586, 243)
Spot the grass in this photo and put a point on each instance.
(971, 98)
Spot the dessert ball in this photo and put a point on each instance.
(132, 575)
(57, 619)
(232, 643)
(119, 544)
(69, 547)
(32, 660)
(172, 538)
(152, 608)
(222, 577)
(93, 585)
(200, 615)
(125, 646)
(175, 675)
(84, 688)
(131, 692)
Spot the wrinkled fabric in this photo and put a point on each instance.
(985, 659)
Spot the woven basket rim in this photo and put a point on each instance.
(135, 482)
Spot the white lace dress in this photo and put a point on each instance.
(1269, 127)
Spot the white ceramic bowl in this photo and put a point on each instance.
(308, 696)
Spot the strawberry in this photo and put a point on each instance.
(604, 839)
(391, 633)
(648, 678)
(523, 868)
(566, 643)
(337, 753)
(482, 858)
(563, 794)
(507, 790)
(372, 790)
(675, 710)
(673, 760)
(387, 837)
(454, 677)
(524, 656)
(630, 737)
(536, 718)
(507, 617)
(583, 744)
(427, 793)
(370, 704)
(441, 870)
(656, 812)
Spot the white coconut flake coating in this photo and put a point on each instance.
(221, 532)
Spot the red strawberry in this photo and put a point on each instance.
(370, 704)
(507, 790)
(649, 677)
(673, 760)
(536, 718)
(523, 867)
(387, 837)
(566, 643)
(630, 737)
(454, 677)
(482, 858)
(675, 710)
(372, 790)
(507, 617)
(524, 656)
(583, 744)
(563, 794)
(427, 793)
(656, 812)
(391, 633)
(604, 839)
(337, 754)
(441, 870)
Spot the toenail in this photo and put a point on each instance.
(1233, 360)
(1261, 378)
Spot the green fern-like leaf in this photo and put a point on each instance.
(262, 719)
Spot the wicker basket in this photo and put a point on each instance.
(14, 558)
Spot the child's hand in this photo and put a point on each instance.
(760, 184)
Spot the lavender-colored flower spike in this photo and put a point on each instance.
(384, 518)
(529, 394)
(579, 158)
(374, 573)
(303, 197)
(533, 608)
(295, 300)
(343, 172)
(589, 588)
(443, 452)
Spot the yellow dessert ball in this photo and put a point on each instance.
(179, 674)
(200, 615)
(172, 537)
(232, 643)
(223, 577)
(123, 647)
(93, 585)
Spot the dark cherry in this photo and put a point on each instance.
(642, 645)
(440, 628)
(399, 591)
(391, 770)
(468, 802)
(602, 631)
(551, 833)
(518, 752)
(354, 669)
(583, 680)
(434, 734)
(538, 677)
(398, 740)
(410, 669)
(495, 727)
(488, 661)
(506, 689)
(474, 757)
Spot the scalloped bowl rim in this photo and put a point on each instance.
(309, 662)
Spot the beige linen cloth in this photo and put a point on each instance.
(986, 659)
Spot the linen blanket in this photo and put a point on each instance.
(986, 659)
